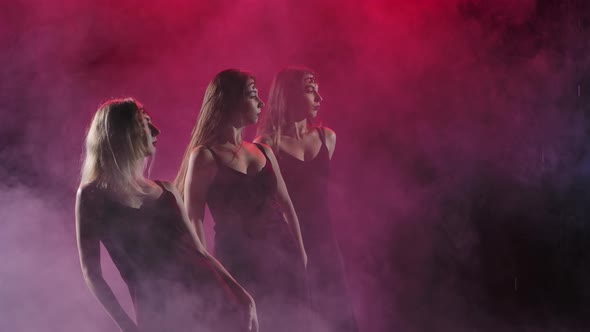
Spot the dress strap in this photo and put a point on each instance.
(164, 188)
(215, 156)
(261, 149)
(322, 134)
(159, 183)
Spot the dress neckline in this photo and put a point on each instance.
(283, 153)
(246, 174)
(145, 203)
(220, 163)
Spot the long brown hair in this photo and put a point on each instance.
(116, 146)
(285, 92)
(222, 99)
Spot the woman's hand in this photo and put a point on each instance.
(251, 315)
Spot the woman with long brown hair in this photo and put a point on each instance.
(174, 283)
(304, 151)
(257, 234)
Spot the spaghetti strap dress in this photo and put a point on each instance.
(172, 286)
(307, 183)
(253, 241)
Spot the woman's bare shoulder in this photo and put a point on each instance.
(264, 139)
(90, 197)
(330, 133)
(89, 191)
(202, 155)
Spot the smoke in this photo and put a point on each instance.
(461, 139)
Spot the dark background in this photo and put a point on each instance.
(461, 182)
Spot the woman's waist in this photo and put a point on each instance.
(261, 215)
(250, 229)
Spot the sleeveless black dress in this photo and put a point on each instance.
(307, 183)
(254, 243)
(173, 287)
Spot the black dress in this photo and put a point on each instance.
(173, 287)
(254, 243)
(307, 183)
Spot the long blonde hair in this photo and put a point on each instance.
(116, 147)
(222, 99)
(285, 93)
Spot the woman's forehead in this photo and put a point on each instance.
(251, 83)
(309, 79)
(145, 115)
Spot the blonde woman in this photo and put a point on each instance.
(304, 152)
(174, 283)
(257, 234)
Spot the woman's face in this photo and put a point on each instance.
(311, 99)
(252, 103)
(150, 131)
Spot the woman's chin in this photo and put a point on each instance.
(150, 152)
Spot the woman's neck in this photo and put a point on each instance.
(232, 136)
(296, 129)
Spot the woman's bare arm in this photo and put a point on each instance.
(199, 176)
(330, 140)
(89, 251)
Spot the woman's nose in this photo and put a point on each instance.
(154, 130)
(318, 97)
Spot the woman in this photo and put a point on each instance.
(304, 152)
(257, 235)
(174, 283)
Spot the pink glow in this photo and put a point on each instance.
(420, 93)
